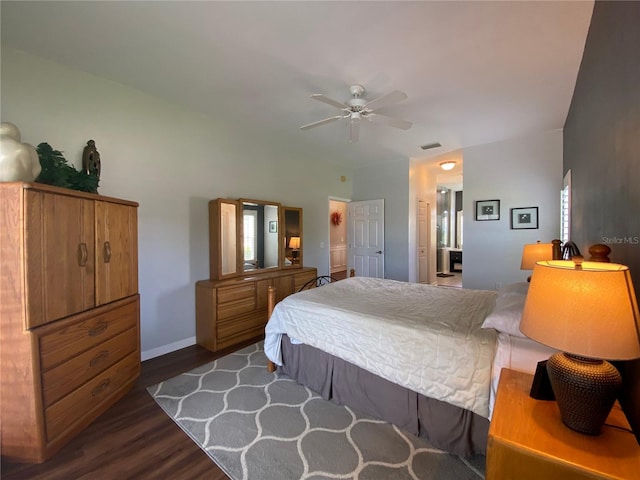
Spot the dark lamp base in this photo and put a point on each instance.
(585, 389)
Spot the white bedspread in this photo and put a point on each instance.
(423, 337)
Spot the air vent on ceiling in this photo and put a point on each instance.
(430, 145)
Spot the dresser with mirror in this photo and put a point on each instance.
(253, 245)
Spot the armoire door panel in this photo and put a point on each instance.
(60, 256)
(116, 251)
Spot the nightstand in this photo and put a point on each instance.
(528, 441)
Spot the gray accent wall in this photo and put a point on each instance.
(602, 136)
(602, 149)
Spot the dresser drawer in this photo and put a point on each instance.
(79, 404)
(233, 309)
(239, 325)
(60, 380)
(242, 291)
(68, 338)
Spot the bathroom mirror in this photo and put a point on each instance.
(260, 234)
(291, 219)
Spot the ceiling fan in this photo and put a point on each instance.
(357, 108)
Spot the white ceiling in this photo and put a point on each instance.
(474, 72)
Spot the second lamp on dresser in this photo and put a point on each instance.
(250, 249)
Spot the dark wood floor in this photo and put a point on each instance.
(134, 439)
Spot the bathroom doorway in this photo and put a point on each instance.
(338, 239)
(449, 231)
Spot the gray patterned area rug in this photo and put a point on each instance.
(258, 425)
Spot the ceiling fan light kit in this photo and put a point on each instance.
(357, 108)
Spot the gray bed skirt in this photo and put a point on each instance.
(443, 425)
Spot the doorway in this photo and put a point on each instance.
(449, 218)
(338, 239)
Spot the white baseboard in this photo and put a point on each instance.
(172, 347)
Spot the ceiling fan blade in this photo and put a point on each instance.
(334, 103)
(321, 122)
(354, 129)
(388, 99)
(393, 122)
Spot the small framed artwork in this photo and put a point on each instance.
(524, 218)
(488, 210)
(273, 227)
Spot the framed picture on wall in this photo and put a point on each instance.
(488, 210)
(273, 227)
(524, 218)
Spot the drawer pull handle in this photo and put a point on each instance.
(100, 328)
(83, 254)
(99, 358)
(107, 252)
(103, 384)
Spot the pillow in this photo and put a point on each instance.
(506, 315)
(519, 287)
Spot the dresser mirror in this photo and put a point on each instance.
(260, 235)
(291, 219)
(223, 238)
(252, 235)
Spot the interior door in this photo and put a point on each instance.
(423, 241)
(366, 238)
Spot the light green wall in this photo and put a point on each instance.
(390, 182)
(521, 172)
(172, 161)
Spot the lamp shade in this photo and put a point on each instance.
(294, 242)
(589, 311)
(535, 252)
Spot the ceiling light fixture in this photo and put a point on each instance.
(447, 165)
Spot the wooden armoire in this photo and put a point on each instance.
(69, 313)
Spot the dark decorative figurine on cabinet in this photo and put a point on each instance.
(91, 161)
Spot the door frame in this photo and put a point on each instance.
(335, 199)
(429, 255)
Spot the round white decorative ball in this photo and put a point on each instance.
(19, 162)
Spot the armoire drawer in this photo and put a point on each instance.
(79, 404)
(68, 338)
(66, 377)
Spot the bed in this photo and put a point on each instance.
(423, 357)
